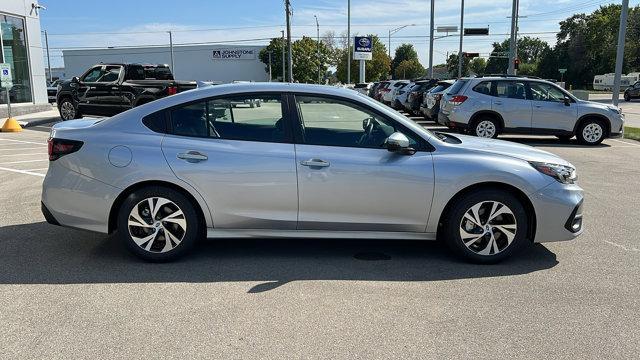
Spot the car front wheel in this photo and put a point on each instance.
(486, 226)
(591, 132)
(158, 224)
(68, 110)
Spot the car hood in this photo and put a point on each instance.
(510, 149)
(597, 105)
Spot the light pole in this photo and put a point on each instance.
(393, 31)
(318, 50)
(173, 69)
(290, 70)
(348, 41)
(620, 52)
(430, 40)
(284, 62)
(461, 36)
(514, 38)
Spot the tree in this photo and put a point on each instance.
(452, 65)
(477, 66)
(304, 53)
(403, 52)
(409, 69)
(375, 69)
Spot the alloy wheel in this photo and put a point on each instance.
(488, 228)
(157, 225)
(592, 132)
(486, 129)
(67, 110)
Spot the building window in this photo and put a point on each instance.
(14, 51)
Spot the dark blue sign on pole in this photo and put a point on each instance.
(363, 45)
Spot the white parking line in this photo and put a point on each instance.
(24, 142)
(27, 172)
(29, 148)
(625, 142)
(37, 169)
(22, 161)
(23, 154)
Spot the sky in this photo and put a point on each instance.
(94, 23)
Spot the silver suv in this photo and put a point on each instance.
(488, 106)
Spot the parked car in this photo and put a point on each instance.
(374, 88)
(416, 94)
(52, 90)
(632, 92)
(362, 88)
(109, 89)
(165, 174)
(381, 90)
(489, 106)
(431, 100)
(389, 96)
(402, 93)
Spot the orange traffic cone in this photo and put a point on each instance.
(11, 125)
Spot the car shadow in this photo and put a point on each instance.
(551, 141)
(39, 253)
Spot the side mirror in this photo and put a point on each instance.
(567, 101)
(75, 79)
(399, 143)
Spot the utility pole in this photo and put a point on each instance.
(284, 62)
(46, 41)
(460, 59)
(288, 9)
(173, 68)
(270, 66)
(348, 41)
(430, 41)
(514, 38)
(318, 51)
(620, 51)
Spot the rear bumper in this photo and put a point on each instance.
(558, 210)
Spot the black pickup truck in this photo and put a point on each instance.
(109, 89)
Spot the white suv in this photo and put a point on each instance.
(488, 106)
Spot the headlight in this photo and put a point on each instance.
(615, 110)
(59, 87)
(562, 173)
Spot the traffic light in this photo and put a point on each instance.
(516, 64)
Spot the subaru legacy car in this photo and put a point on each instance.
(489, 106)
(311, 162)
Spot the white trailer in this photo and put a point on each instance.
(605, 82)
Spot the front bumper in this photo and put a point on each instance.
(558, 210)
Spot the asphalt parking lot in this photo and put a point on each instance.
(73, 294)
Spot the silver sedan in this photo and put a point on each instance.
(311, 161)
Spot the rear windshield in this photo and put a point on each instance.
(439, 88)
(456, 87)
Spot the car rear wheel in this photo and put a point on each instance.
(485, 127)
(68, 110)
(486, 226)
(158, 224)
(591, 132)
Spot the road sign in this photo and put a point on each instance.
(447, 29)
(476, 31)
(5, 75)
(562, 71)
(363, 46)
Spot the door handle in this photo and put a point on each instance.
(114, 88)
(192, 156)
(315, 163)
(538, 106)
(498, 102)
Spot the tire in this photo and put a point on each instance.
(485, 127)
(149, 242)
(627, 97)
(564, 138)
(68, 110)
(591, 132)
(458, 229)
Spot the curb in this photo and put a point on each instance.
(36, 122)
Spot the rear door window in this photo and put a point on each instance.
(510, 89)
(483, 88)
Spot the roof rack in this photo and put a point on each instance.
(508, 76)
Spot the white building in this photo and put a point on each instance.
(197, 62)
(22, 50)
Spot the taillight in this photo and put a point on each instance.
(457, 100)
(172, 90)
(57, 148)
